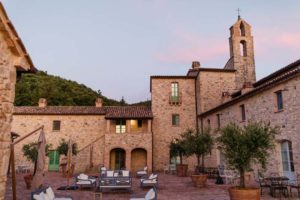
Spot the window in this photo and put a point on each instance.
(218, 120)
(279, 100)
(208, 123)
(56, 125)
(243, 112)
(287, 157)
(120, 126)
(243, 48)
(242, 29)
(174, 92)
(140, 123)
(175, 120)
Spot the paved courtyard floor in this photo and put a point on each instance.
(170, 187)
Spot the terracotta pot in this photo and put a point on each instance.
(237, 193)
(199, 180)
(28, 180)
(181, 170)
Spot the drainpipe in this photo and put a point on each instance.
(196, 102)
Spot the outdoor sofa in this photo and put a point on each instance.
(142, 173)
(115, 179)
(83, 180)
(47, 194)
(150, 181)
(150, 195)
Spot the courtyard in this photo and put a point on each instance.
(170, 187)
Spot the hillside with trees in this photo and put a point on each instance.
(58, 92)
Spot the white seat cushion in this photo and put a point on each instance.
(150, 181)
(125, 173)
(151, 176)
(83, 176)
(150, 195)
(109, 173)
(50, 193)
(82, 182)
(116, 174)
(40, 196)
(141, 172)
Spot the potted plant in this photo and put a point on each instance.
(30, 151)
(243, 147)
(177, 150)
(63, 150)
(199, 144)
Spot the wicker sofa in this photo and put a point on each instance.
(115, 179)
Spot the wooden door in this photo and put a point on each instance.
(138, 159)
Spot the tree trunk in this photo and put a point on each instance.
(198, 161)
(180, 157)
(203, 162)
(242, 178)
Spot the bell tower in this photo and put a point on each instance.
(242, 53)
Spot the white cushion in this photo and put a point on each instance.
(125, 173)
(110, 173)
(63, 198)
(46, 197)
(40, 196)
(150, 194)
(141, 172)
(150, 181)
(50, 193)
(145, 168)
(83, 176)
(85, 182)
(116, 174)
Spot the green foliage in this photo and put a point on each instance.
(63, 148)
(196, 143)
(30, 151)
(142, 103)
(177, 149)
(248, 145)
(57, 91)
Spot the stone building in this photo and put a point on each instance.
(132, 137)
(14, 60)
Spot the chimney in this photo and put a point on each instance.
(247, 86)
(42, 102)
(99, 102)
(196, 65)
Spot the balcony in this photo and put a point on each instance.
(175, 100)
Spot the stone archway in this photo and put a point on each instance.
(138, 159)
(117, 159)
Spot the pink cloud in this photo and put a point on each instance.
(187, 47)
(289, 40)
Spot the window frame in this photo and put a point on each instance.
(279, 100)
(243, 112)
(175, 121)
(219, 120)
(56, 125)
(120, 127)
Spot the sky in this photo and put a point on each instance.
(116, 45)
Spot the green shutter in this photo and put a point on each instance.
(53, 161)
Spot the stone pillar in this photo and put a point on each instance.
(128, 159)
(128, 125)
(149, 125)
(7, 94)
(108, 125)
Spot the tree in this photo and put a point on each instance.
(123, 102)
(198, 143)
(30, 151)
(247, 145)
(177, 149)
(63, 148)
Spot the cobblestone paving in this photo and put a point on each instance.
(170, 187)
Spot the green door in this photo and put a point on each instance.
(53, 161)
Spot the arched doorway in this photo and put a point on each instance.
(117, 159)
(138, 159)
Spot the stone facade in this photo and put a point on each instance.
(263, 107)
(13, 58)
(163, 130)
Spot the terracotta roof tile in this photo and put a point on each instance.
(110, 112)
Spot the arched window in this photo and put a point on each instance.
(243, 48)
(242, 29)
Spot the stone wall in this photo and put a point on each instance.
(210, 86)
(7, 92)
(262, 107)
(83, 129)
(163, 130)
